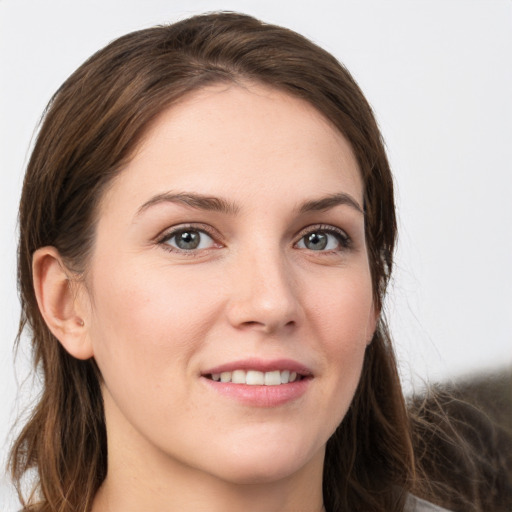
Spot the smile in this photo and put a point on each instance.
(257, 378)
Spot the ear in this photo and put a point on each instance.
(61, 300)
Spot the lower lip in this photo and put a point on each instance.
(260, 396)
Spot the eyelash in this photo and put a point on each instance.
(201, 228)
(340, 235)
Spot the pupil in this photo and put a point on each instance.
(187, 240)
(316, 241)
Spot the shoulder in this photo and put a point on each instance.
(414, 504)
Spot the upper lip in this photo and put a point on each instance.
(261, 365)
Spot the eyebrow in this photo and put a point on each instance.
(217, 204)
(326, 203)
(198, 201)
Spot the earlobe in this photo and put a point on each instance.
(57, 296)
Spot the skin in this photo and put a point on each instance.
(156, 318)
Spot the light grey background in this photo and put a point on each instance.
(439, 76)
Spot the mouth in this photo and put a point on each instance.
(260, 383)
(256, 377)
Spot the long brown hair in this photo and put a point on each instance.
(91, 127)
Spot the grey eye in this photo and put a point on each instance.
(316, 241)
(189, 240)
(322, 240)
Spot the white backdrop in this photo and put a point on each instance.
(439, 76)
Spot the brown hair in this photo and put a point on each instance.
(91, 127)
(468, 456)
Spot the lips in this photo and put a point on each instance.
(260, 383)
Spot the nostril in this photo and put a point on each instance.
(251, 323)
(267, 327)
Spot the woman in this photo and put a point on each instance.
(207, 232)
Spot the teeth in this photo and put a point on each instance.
(273, 378)
(238, 377)
(256, 378)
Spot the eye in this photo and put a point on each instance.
(324, 239)
(188, 239)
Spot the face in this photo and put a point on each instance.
(229, 289)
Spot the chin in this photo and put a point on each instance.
(262, 472)
(266, 462)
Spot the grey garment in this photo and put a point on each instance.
(414, 504)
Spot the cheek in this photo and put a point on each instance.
(144, 323)
(146, 329)
(343, 320)
(342, 309)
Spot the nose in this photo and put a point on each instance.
(264, 294)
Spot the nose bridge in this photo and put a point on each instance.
(263, 291)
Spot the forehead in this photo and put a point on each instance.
(231, 139)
